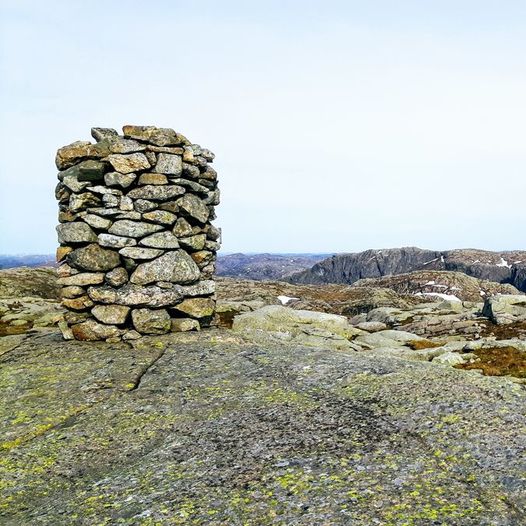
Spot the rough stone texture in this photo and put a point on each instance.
(135, 232)
(148, 321)
(209, 428)
(503, 309)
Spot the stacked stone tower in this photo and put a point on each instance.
(137, 248)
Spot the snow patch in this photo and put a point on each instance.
(503, 263)
(286, 299)
(448, 297)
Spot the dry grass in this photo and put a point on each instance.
(499, 361)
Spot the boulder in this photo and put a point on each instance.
(194, 207)
(503, 309)
(197, 307)
(91, 330)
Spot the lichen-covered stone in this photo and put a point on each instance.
(193, 242)
(197, 307)
(77, 232)
(149, 321)
(78, 151)
(140, 252)
(94, 257)
(194, 207)
(182, 228)
(90, 330)
(118, 179)
(156, 192)
(169, 164)
(153, 178)
(176, 266)
(128, 163)
(95, 221)
(135, 295)
(184, 325)
(164, 240)
(113, 241)
(133, 229)
(117, 277)
(82, 279)
(111, 314)
(160, 216)
(153, 135)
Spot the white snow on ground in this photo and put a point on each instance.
(448, 297)
(455, 288)
(430, 283)
(503, 263)
(442, 259)
(286, 299)
(517, 262)
(482, 293)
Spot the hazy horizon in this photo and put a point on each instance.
(337, 127)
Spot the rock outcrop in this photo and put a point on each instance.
(501, 267)
(135, 233)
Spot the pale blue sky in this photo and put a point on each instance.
(337, 126)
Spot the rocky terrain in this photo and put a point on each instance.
(501, 267)
(265, 266)
(26, 260)
(405, 410)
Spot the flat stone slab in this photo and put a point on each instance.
(206, 428)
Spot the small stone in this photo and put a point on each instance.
(76, 232)
(133, 228)
(131, 335)
(66, 216)
(160, 240)
(213, 233)
(209, 174)
(152, 158)
(177, 150)
(140, 253)
(143, 205)
(212, 246)
(132, 216)
(193, 242)
(160, 216)
(153, 178)
(100, 134)
(82, 279)
(153, 135)
(182, 228)
(62, 252)
(117, 277)
(72, 182)
(111, 314)
(157, 193)
(197, 307)
(74, 291)
(82, 201)
(80, 303)
(128, 163)
(94, 257)
(100, 189)
(148, 321)
(90, 170)
(112, 241)
(194, 207)
(110, 200)
(207, 154)
(189, 170)
(120, 145)
(90, 330)
(118, 179)
(168, 164)
(95, 221)
(126, 204)
(67, 333)
(170, 206)
(188, 155)
(134, 295)
(202, 258)
(196, 187)
(184, 325)
(65, 270)
(213, 198)
(176, 267)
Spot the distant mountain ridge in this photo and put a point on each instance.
(501, 267)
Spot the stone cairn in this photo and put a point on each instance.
(137, 248)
